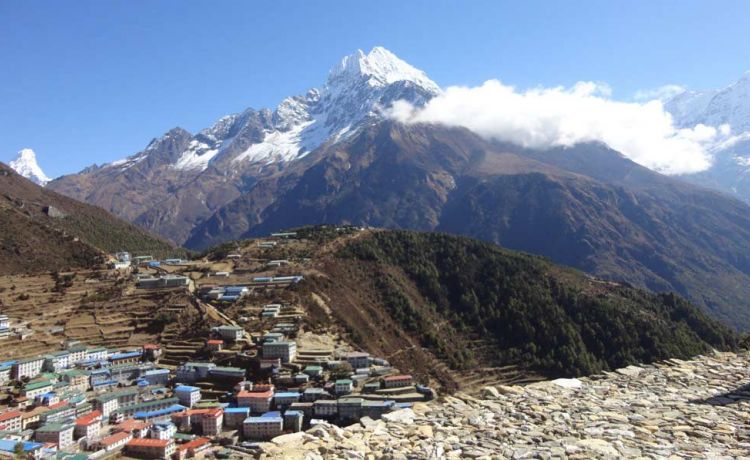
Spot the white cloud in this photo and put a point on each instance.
(742, 161)
(548, 117)
(661, 93)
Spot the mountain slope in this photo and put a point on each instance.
(586, 206)
(475, 306)
(25, 164)
(41, 230)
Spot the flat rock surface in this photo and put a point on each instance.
(671, 410)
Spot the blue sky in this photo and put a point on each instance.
(87, 82)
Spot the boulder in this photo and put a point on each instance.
(53, 212)
(630, 371)
(490, 393)
(568, 383)
(510, 390)
(599, 446)
(287, 439)
(400, 416)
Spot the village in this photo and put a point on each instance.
(255, 374)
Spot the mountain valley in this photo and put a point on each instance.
(333, 156)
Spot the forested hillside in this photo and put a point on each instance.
(551, 319)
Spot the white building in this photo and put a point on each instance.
(88, 426)
(266, 426)
(76, 354)
(106, 405)
(29, 367)
(162, 430)
(230, 333)
(57, 361)
(286, 351)
(212, 422)
(97, 354)
(57, 433)
(11, 420)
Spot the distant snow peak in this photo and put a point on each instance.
(25, 164)
(714, 107)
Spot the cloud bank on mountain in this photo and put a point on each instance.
(553, 117)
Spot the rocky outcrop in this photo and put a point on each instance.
(676, 409)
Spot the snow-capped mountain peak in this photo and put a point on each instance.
(25, 164)
(380, 67)
(357, 89)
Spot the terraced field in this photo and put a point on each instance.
(99, 308)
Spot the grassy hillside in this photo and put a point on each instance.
(473, 303)
(41, 230)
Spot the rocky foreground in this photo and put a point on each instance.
(676, 409)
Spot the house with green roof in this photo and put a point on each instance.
(33, 389)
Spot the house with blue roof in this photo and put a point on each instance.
(159, 414)
(32, 449)
(188, 395)
(128, 357)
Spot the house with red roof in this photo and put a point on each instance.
(11, 420)
(397, 381)
(115, 441)
(215, 345)
(88, 426)
(194, 447)
(138, 428)
(151, 448)
(257, 401)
